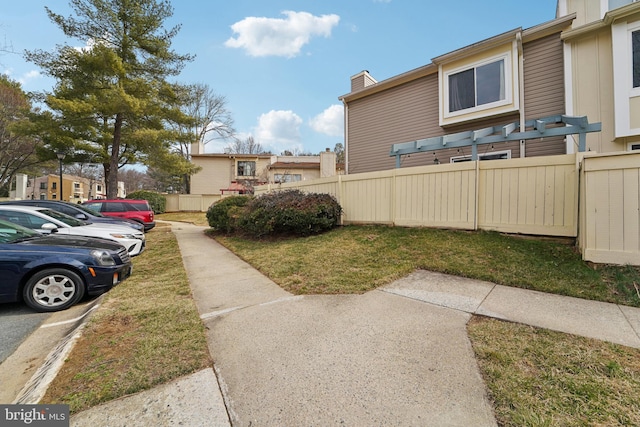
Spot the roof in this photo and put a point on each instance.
(294, 165)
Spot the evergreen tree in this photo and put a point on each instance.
(112, 98)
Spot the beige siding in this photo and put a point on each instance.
(592, 76)
(216, 173)
(612, 208)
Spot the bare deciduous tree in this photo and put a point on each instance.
(248, 146)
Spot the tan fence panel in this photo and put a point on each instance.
(612, 208)
(367, 197)
(536, 195)
(436, 196)
(190, 202)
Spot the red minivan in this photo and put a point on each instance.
(137, 210)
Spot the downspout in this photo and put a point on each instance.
(346, 136)
(521, 91)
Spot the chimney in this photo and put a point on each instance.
(327, 163)
(361, 80)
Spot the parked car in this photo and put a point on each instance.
(137, 210)
(53, 272)
(46, 221)
(77, 211)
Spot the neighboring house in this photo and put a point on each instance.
(224, 174)
(566, 66)
(74, 188)
(602, 67)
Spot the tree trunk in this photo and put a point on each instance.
(112, 178)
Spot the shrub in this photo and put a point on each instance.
(157, 201)
(290, 212)
(223, 214)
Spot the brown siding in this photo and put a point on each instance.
(403, 113)
(409, 111)
(544, 90)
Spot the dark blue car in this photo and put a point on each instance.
(53, 272)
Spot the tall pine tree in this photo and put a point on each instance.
(112, 97)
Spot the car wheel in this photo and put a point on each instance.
(53, 289)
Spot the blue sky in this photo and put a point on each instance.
(282, 64)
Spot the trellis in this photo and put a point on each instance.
(537, 128)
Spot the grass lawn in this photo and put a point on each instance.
(534, 377)
(147, 332)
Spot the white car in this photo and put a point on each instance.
(45, 220)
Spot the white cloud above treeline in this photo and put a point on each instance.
(330, 121)
(261, 36)
(279, 130)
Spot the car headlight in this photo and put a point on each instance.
(122, 236)
(103, 257)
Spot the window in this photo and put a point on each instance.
(76, 185)
(481, 85)
(493, 155)
(614, 4)
(43, 197)
(287, 177)
(246, 168)
(43, 185)
(54, 185)
(635, 51)
(98, 188)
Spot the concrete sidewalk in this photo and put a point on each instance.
(398, 355)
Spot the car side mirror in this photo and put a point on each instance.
(49, 227)
(82, 216)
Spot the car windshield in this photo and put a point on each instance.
(89, 211)
(69, 220)
(10, 232)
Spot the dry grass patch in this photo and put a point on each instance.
(196, 218)
(538, 377)
(146, 332)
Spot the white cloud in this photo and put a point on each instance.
(25, 78)
(279, 131)
(260, 36)
(330, 121)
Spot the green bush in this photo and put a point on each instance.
(157, 201)
(290, 212)
(223, 214)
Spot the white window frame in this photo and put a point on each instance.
(254, 171)
(623, 89)
(508, 78)
(481, 156)
(633, 146)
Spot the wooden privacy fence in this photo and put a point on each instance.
(190, 202)
(537, 195)
(610, 208)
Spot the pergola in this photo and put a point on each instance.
(534, 129)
